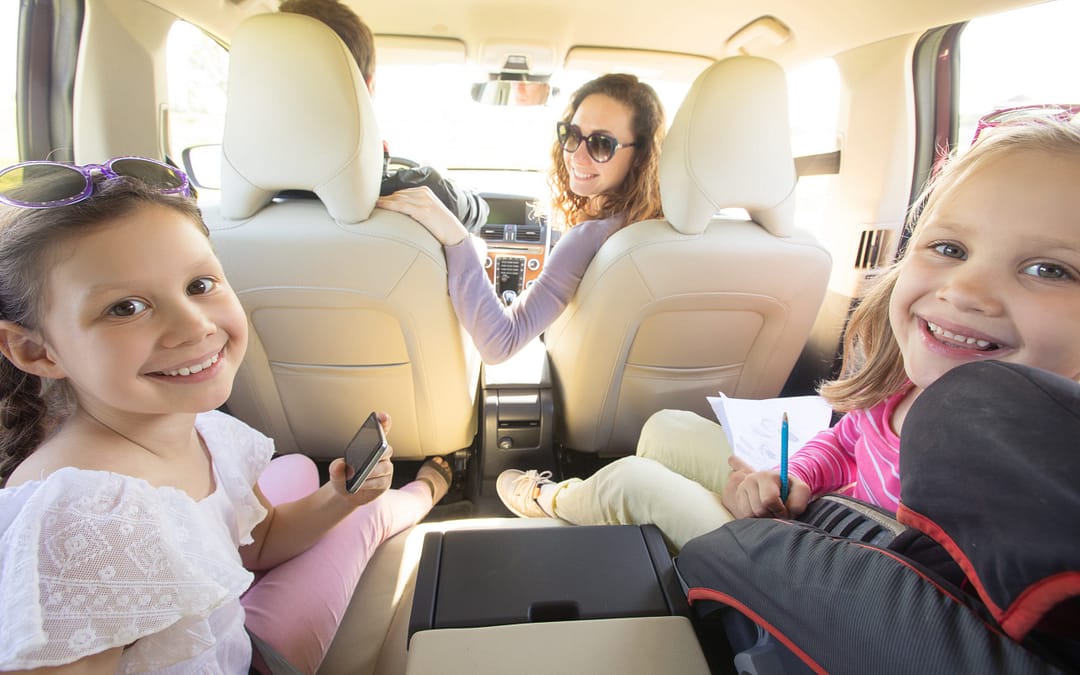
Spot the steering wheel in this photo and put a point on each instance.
(397, 163)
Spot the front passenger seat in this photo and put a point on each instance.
(348, 304)
(671, 311)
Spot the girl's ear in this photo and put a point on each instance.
(26, 350)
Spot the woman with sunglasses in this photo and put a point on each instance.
(604, 176)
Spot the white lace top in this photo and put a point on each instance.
(91, 560)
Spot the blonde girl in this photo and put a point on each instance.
(992, 271)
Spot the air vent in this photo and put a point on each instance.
(872, 249)
(493, 232)
(526, 233)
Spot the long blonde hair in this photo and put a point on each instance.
(638, 197)
(873, 366)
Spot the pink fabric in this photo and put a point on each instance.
(298, 605)
(860, 454)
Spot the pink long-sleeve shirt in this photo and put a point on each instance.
(499, 331)
(860, 455)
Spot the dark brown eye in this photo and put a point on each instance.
(129, 307)
(201, 286)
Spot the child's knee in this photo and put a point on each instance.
(295, 462)
(660, 428)
(288, 478)
(668, 416)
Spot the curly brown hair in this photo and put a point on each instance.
(638, 197)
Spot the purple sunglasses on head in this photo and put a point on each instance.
(43, 185)
(1059, 112)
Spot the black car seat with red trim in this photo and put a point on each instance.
(984, 579)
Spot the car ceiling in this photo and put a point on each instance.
(815, 28)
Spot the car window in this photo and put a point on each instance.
(491, 148)
(197, 70)
(471, 139)
(488, 147)
(9, 27)
(814, 101)
(1015, 58)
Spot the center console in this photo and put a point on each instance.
(517, 417)
(601, 598)
(492, 577)
(517, 243)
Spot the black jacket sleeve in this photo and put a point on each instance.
(469, 207)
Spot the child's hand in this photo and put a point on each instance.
(384, 421)
(756, 494)
(377, 482)
(739, 471)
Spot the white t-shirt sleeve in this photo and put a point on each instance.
(240, 455)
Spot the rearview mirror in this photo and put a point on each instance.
(511, 92)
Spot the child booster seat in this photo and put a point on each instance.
(979, 573)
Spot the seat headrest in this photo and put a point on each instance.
(729, 146)
(298, 117)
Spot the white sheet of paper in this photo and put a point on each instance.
(753, 426)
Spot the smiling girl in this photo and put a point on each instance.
(992, 271)
(130, 513)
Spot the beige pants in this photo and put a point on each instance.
(674, 481)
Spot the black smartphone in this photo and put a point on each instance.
(364, 451)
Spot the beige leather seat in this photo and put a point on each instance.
(671, 311)
(348, 304)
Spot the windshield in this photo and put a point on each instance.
(427, 114)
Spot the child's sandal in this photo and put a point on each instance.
(442, 468)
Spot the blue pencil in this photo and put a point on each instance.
(783, 459)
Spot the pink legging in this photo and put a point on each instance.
(298, 605)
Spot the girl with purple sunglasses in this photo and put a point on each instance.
(132, 509)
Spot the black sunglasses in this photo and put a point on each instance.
(600, 146)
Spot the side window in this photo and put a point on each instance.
(1016, 58)
(197, 70)
(814, 101)
(9, 36)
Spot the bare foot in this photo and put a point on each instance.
(438, 475)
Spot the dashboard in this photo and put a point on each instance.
(518, 241)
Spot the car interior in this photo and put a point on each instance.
(799, 132)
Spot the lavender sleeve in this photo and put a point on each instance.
(499, 331)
